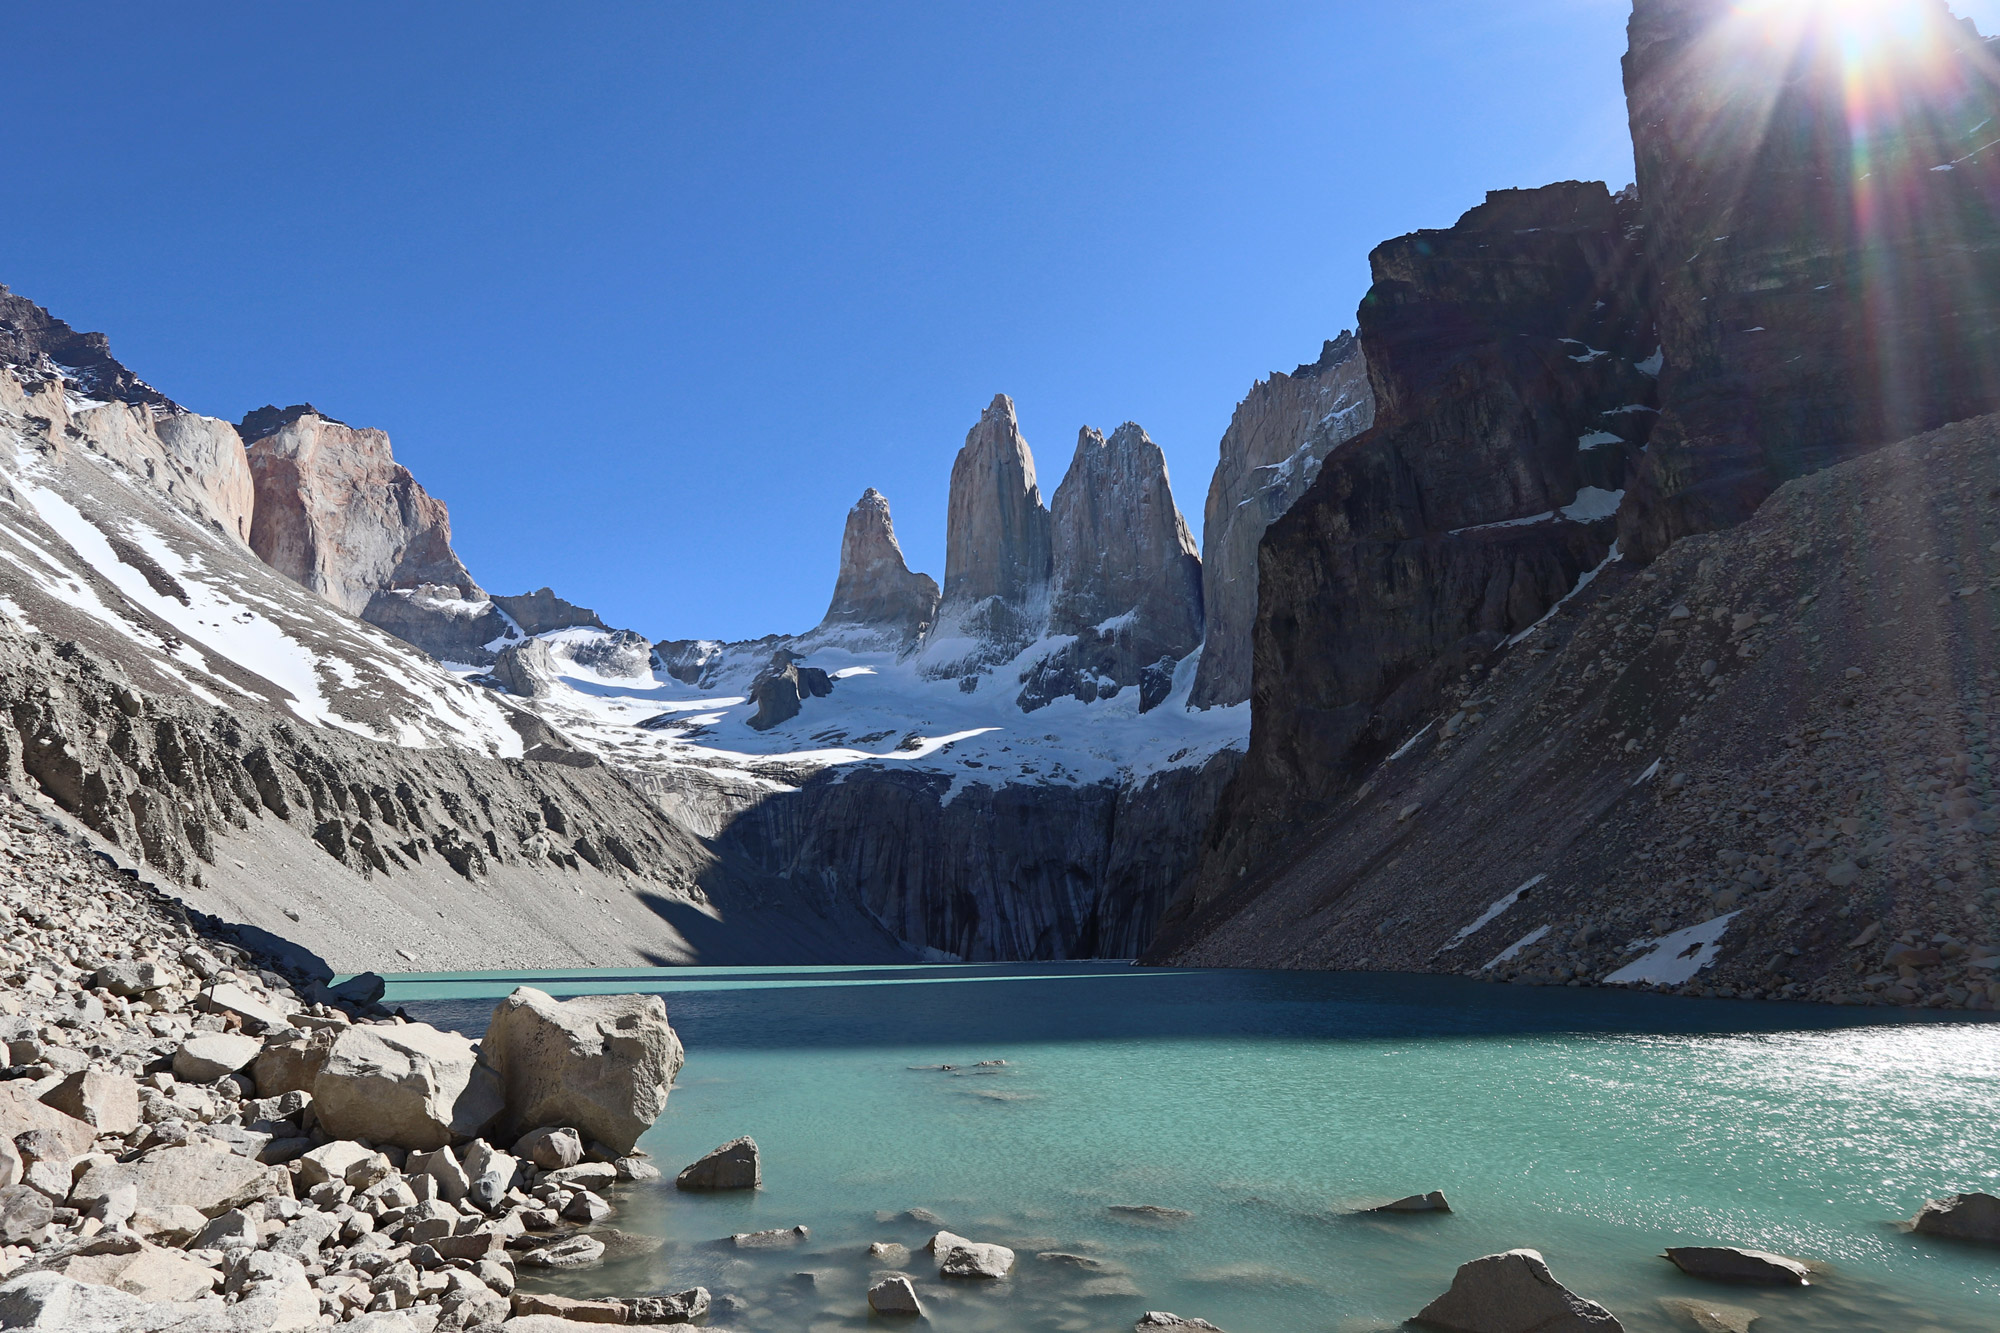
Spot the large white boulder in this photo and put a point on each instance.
(601, 1063)
(408, 1084)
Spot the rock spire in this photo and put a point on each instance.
(876, 588)
(997, 540)
(1121, 547)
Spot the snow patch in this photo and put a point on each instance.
(1467, 932)
(1516, 947)
(1674, 958)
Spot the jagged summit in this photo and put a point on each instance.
(876, 589)
(1121, 547)
(29, 334)
(997, 541)
(270, 419)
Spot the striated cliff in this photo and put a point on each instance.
(1505, 358)
(1279, 435)
(1818, 184)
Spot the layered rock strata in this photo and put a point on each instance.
(336, 513)
(1504, 356)
(1279, 435)
(1829, 273)
(876, 590)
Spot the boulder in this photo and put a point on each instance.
(208, 1056)
(22, 1113)
(289, 1066)
(1707, 1316)
(1160, 1321)
(1514, 1292)
(1434, 1202)
(257, 1014)
(444, 1168)
(894, 1296)
(550, 1148)
(103, 1098)
(343, 1160)
(155, 1274)
(237, 1229)
(273, 1289)
(1727, 1263)
(888, 1254)
(207, 1179)
(584, 1175)
(733, 1166)
(570, 1252)
(1960, 1216)
(410, 1085)
(959, 1257)
(602, 1063)
(48, 1300)
(361, 990)
(491, 1174)
(11, 1166)
(533, 1304)
(172, 1224)
(25, 1214)
(133, 978)
(683, 1307)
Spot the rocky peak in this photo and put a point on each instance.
(1281, 432)
(270, 419)
(997, 541)
(876, 588)
(781, 686)
(31, 337)
(1809, 309)
(336, 512)
(1120, 545)
(1126, 580)
(542, 612)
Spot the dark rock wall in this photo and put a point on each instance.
(1494, 350)
(1014, 872)
(1827, 285)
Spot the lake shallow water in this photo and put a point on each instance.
(1595, 1126)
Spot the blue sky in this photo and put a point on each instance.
(648, 293)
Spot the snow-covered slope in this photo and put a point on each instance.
(93, 549)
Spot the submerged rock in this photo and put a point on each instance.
(1160, 1321)
(782, 1238)
(1148, 1212)
(1729, 1264)
(1514, 1292)
(1434, 1202)
(1709, 1317)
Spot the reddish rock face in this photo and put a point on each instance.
(336, 512)
(1819, 185)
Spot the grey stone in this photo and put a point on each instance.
(1434, 1202)
(601, 1063)
(777, 1239)
(1514, 1292)
(1971, 1216)
(209, 1056)
(551, 1147)
(959, 1257)
(733, 1166)
(683, 1307)
(894, 1296)
(408, 1084)
(25, 1214)
(571, 1252)
(1730, 1264)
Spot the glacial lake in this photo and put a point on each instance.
(1595, 1126)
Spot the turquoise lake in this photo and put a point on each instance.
(1595, 1126)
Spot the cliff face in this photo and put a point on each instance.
(1503, 355)
(997, 541)
(1281, 432)
(32, 338)
(1126, 581)
(875, 589)
(1825, 239)
(336, 513)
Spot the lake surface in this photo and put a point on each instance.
(1595, 1126)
